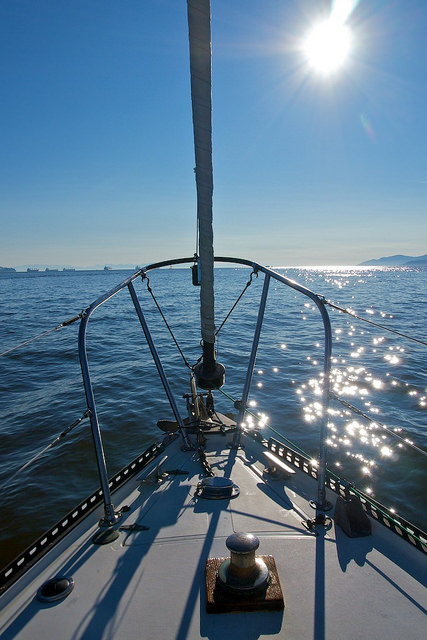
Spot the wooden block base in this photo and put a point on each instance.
(218, 600)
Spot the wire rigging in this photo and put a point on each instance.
(375, 324)
(248, 283)
(350, 485)
(379, 424)
(268, 426)
(349, 312)
(149, 289)
(66, 323)
(60, 437)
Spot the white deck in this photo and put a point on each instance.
(150, 584)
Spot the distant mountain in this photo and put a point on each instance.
(396, 261)
(7, 269)
(421, 260)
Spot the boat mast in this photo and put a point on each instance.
(209, 374)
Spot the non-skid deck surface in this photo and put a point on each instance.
(150, 584)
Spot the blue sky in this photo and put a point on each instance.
(96, 154)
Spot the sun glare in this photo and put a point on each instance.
(327, 46)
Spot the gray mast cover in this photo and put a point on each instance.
(199, 27)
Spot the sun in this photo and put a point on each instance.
(327, 46)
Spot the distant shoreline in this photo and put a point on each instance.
(68, 271)
(398, 260)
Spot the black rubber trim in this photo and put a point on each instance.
(25, 560)
(341, 487)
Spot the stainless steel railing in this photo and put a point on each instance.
(111, 517)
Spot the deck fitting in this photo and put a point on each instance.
(217, 488)
(276, 468)
(55, 589)
(242, 582)
(243, 572)
(105, 535)
(350, 516)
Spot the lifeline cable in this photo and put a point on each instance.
(267, 426)
(376, 324)
(349, 484)
(379, 424)
(62, 435)
(66, 323)
(348, 406)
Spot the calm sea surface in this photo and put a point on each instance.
(379, 373)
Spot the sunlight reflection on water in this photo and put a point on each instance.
(373, 371)
(362, 448)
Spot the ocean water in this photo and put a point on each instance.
(379, 373)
